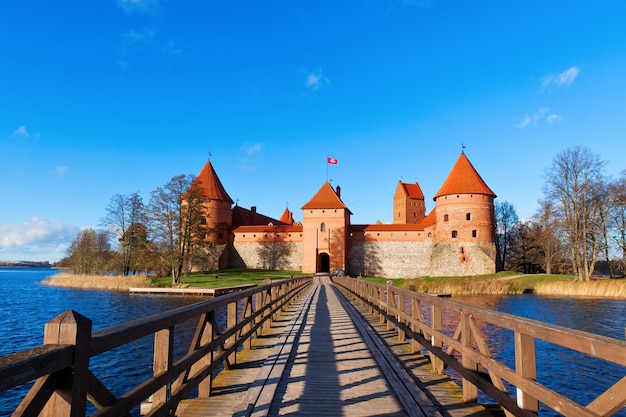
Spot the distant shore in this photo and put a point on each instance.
(97, 282)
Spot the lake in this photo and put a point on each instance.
(28, 305)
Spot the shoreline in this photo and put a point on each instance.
(615, 289)
(97, 282)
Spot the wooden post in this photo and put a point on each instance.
(526, 367)
(231, 321)
(436, 313)
(470, 391)
(204, 387)
(401, 315)
(70, 328)
(246, 314)
(391, 301)
(415, 315)
(162, 361)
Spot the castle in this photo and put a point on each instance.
(456, 238)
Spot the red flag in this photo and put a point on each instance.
(332, 161)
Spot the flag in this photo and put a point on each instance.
(332, 161)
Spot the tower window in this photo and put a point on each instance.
(454, 234)
(445, 217)
(323, 227)
(474, 233)
(468, 216)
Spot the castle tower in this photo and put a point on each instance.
(325, 224)
(408, 204)
(464, 206)
(219, 216)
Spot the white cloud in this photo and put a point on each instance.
(22, 132)
(170, 49)
(139, 6)
(541, 115)
(60, 171)
(251, 149)
(36, 231)
(565, 78)
(316, 80)
(133, 40)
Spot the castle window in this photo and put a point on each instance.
(468, 216)
(398, 214)
(323, 227)
(454, 234)
(473, 233)
(462, 250)
(414, 214)
(445, 217)
(430, 235)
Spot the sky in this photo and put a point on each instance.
(109, 97)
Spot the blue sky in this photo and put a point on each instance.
(117, 96)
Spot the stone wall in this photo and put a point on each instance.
(390, 259)
(451, 259)
(257, 255)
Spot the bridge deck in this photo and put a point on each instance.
(320, 359)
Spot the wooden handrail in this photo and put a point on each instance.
(61, 367)
(389, 303)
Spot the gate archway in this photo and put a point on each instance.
(323, 262)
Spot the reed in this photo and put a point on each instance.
(99, 282)
(466, 286)
(606, 288)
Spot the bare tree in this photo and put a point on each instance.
(545, 231)
(573, 183)
(178, 222)
(506, 232)
(125, 216)
(89, 252)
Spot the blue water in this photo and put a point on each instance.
(27, 305)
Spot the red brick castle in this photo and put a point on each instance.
(456, 238)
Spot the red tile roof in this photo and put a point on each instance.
(464, 179)
(287, 217)
(269, 229)
(325, 198)
(413, 190)
(245, 217)
(211, 184)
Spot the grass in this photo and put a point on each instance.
(225, 278)
(502, 283)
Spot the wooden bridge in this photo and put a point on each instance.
(308, 346)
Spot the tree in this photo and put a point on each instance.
(89, 252)
(124, 219)
(506, 236)
(545, 233)
(178, 223)
(574, 183)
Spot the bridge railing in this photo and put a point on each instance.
(63, 379)
(467, 350)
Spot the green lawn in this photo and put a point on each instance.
(225, 278)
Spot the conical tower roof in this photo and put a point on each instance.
(211, 184)
(464, 179)
(325, 198)
(287, 217)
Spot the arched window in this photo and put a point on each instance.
(468, 216)
(445, 217)
(454, 234)
(474, 233)
(323, 227)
